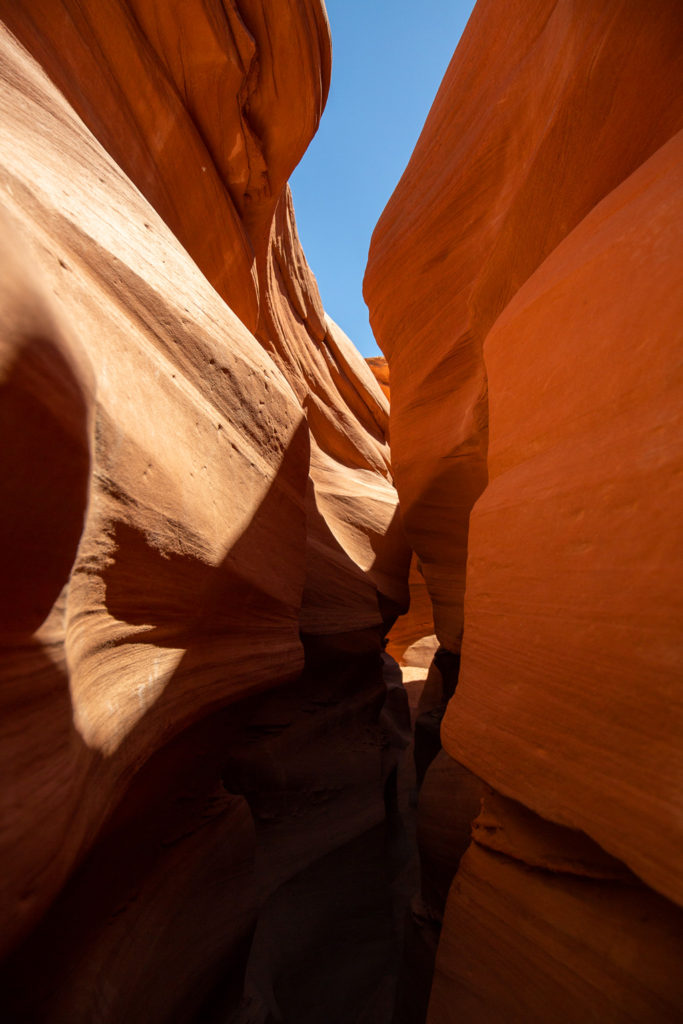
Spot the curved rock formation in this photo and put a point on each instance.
(524, 282)
(208, 108)
(414, 629)
(203, 552)
(202, 545)
(524, 945)
(160, 614)
(517, 148)
(380, 369)
(574, 546)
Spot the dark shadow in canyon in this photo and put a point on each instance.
(228, 842)
(44, 439)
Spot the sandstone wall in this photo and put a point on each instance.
(524, 283)
(202, 551)
(517, 148)
(208, 108)
(416, 626)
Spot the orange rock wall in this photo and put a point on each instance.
(575, 544)
(524, 283)
(380, 369)
(151, 614)
(521, 945)
(417, 623)
(201, 544)
(208, 108)
(201, 105)
(517, 148)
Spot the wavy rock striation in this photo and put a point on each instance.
(201, 542)
(524, 283)
(552, 121)
(208, 109)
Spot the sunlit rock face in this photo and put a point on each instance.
(156, 601)
(546, 108)
(415, 629)
(574, 545)
(208, 107)
(380, 369)
(201, 543)
(524, 283)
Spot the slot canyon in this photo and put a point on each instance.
(340, 690)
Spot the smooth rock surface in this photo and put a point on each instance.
(380, 369)
(545, 108)
(414, 631)
(524, 283)
(533, 946)
(208, 107)
(191, 512)
(159, 618)
(569, 695)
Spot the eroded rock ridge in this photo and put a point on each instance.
(201, 539)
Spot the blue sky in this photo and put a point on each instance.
(388, 59)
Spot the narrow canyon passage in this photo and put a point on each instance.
(339, 691)
(267, 857)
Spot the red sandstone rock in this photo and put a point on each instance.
(417, 624)
(421, 652)
(529, 265)
(380, 369)
(506, 826)
(570, 681)
(545, 108)
(174, 882)
(416, 627)
(154, 505)
(181, 508)
(208, 109)
(357, 555)
(532, 946)
(450, 800)
(184, 502)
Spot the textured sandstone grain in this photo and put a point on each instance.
(525, 280)
(163, 909)
(545, 108)
(380, 369)
(208, 107)
(525, 946)
(183, 500)
(182, 510)
(569, 698)
(450, 800)
(416, 626)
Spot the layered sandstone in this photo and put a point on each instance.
(411, 640)
(208, 108)
(202, 547)
(523, 945)
(164, 601)
(524, 283)
(517, 148)
(380, 369)
(575, 545)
